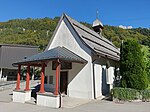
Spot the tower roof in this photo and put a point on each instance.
(97, 22)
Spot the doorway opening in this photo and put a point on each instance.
(63, 82)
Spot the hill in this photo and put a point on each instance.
(28, 31)
(39, 31)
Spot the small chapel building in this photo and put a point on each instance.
(78, 61)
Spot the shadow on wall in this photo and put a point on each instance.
(105, 86)
(77, 68)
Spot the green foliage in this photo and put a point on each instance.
(143, 31)
(128, 94)
(28, 31)
(148, 87)
(132, 68)
(39, 31)
(125, 94)
(116, 34)
(145, 95)
(36, 71)
(146, 57)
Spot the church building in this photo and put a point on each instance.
(78, 61)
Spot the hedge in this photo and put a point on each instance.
(128, 94)
(145, 95)
(125, 94)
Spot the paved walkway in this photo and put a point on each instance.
(73, 102)
(6, 89)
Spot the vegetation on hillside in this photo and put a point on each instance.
(39, 31)
(116, 35)
(28, 31)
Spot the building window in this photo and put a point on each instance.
(64, 65)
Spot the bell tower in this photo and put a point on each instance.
(97, 25)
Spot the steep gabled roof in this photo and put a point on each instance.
(100, 45)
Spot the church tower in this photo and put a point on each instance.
(97, 25)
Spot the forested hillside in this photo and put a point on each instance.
(39, 31)
(28, 31)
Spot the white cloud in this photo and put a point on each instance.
(125, 27)
(129, 27)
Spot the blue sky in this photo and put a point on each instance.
(134, 13)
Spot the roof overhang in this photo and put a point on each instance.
(115, 57)
(61, 53)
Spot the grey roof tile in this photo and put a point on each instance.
(94, 40)
(61, 53)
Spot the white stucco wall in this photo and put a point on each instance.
(103, 77)
(98, 80)
(80, 76)
(110, 75)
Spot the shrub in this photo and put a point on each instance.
(132, 66)
(145, 95)
(146, 57)
(125, 94)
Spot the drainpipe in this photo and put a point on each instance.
(60, 99)
(94, 92)
(1, 73)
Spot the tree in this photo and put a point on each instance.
(146, 52)
(132, 67)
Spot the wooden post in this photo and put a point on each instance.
(18, 78)
(57, 77)
(42, 90)
(27, 78)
